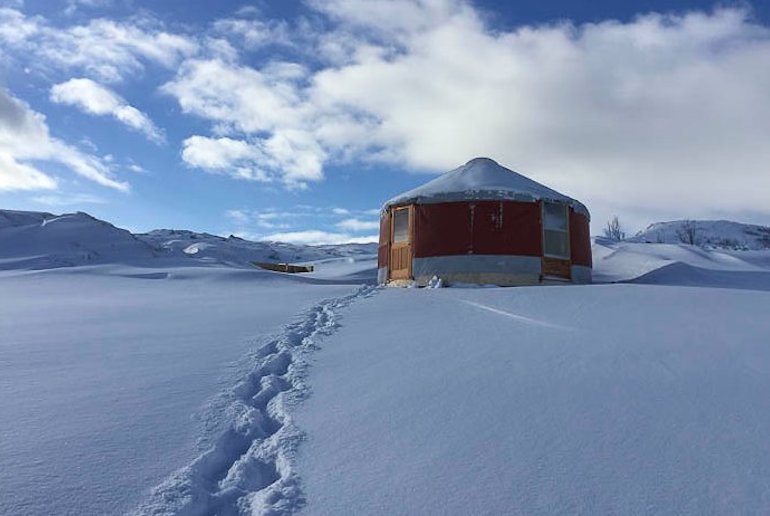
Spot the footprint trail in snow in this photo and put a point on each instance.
(249, 469)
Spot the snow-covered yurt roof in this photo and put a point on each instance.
(482, 179)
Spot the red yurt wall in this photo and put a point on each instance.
(579, 239)
(478, 227)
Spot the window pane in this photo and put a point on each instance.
(556, 243)
(401, 226)
(555, 216)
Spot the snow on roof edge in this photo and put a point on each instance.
(482, 179)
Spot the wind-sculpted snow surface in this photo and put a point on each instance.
(628, 261)
(110, 374)
(250, 466)
(597, 399)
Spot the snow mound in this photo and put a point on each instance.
(30, 240)
(483, 179)
(685, 275)
(724, 234)
(679, 264)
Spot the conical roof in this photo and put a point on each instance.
(482, 179)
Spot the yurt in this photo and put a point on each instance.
(483, 223)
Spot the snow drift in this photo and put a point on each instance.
(707, 233)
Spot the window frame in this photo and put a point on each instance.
(564, 232)
(408, 238)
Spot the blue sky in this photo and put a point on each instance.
(295, 120)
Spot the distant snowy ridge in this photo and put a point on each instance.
(13, 218)
(39, 240)
(723, 234)
(234, 251)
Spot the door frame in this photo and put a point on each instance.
(401, 245)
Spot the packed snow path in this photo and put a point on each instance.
(250, 467)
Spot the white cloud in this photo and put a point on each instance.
(15, 28)
(57, 200)
(392, 19)
(263, 111)
(95, 99)
(358, 225)
(317, 237)
(664, 110)
(18, 176)
(254, 33)
(25, 140)
(295, 221)
(281, 156)
(235, 158)
(135, 168)
(105, 49)
(271, 219)
(240, 217)
(74, 5)
(240, 98)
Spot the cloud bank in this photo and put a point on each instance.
(662, 110)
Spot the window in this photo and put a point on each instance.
(401, 225)
(555, 230)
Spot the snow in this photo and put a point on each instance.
(31, 240)
(118, 354)
(103, 368)
(237, 252)
(139, 378)
(707, 233)
(626, 261)
(44, 241)
(483, 179)
(617, 399)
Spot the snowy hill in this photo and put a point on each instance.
(237, 252)
(708, 233)
(31, 240)
(38, 240)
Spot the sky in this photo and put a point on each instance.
(295, 120)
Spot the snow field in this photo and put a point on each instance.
(140, 376)
(620, 399)
(109, 375)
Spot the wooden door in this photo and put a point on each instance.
(401, 230)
